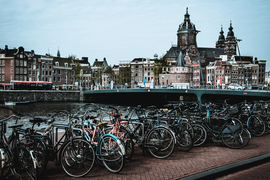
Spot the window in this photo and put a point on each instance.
(57, 63)
(21, 62)
(11, 70)
(11, 77)
(3, 78)
(178, 76)
(59, 79)
(25, 63)
(3, 62)
(25, 71)
(3, 70)
(59, 71)
(66, 64)
(183, 37)
(0, 62)
(34, 66)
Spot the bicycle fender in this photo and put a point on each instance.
(117, 140)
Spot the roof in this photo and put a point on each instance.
(211, 52)
(173, 52)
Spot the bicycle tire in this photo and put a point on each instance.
(6, 169)
(200, 134)
(160, 142)
(40, 148)
(2, 162)
(184, 140)
(26, 163)
(237, 139)
(256, 125)
(111, 151)
(77, 158)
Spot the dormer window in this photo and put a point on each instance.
(56, 63)
(66, 64)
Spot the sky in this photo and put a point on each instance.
(121, 30)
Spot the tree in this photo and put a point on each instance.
(159, 66)
(78, 69)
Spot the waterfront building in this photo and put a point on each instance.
(86, 73)
(180, 75)
(63, 72)
(97, 70)
(137, 71)
(14, 63)
(267, 77)
(115, 74)
(124, 76)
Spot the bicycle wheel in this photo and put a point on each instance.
(185, 124)
(237, 139)
(266, 120)
(184, 140)
(126, 138)
(77, 158)
(256, 125)
(40, 149)
(6, 161)
(200, 134)
(111, 152)
(2, 162)
(160, 142)
(26, 162)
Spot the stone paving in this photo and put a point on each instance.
(177, 166)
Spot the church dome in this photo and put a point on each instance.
(186, 25)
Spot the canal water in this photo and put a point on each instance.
(44, 109)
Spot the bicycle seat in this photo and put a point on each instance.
(102, 124)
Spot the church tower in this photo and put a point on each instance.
(186, 35)
(230, 43)
(221, 39)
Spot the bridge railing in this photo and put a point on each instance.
(214, 87)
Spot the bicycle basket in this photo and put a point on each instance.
(233, 109)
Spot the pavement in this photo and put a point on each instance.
(211, 161)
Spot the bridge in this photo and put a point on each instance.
(161, 95)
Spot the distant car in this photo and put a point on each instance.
(236, 86)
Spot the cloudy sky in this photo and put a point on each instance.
(126, 29)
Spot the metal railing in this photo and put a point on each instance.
(214, 87)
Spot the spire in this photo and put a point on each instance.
(180, 60)
(187, 15)
(230, 35)
(221, 36)
(187, 25)
(58, 53)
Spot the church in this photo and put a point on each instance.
(186, 58)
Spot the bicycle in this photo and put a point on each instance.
(16, 155)
(109, 150)
(159, 140)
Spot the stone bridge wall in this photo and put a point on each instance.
(40, 95)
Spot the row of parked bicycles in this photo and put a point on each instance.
(108, 136)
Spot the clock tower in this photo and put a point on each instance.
(186, 36)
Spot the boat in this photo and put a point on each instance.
(11, 103)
